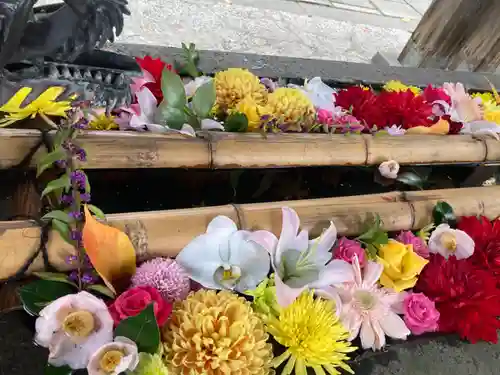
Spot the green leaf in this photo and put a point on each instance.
(373, 226)
(102, 289)
(142, 329)
(36, 294)
(371, 252)
(63, 229)
(59, 215)
(190, 57)
(53, 370)
(48, 160)
(87, 183)
(443, 214)
(380, 238)
(96, 211)
(172, 117)
(236, 122)
(63, 182)
(54, 276)
(174, 94)
(204, 99)
(411, 179)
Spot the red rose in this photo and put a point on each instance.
(155, 67)
(134, 300)
(486, 236)
(467, 298)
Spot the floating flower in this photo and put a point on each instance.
(224, 257)
(401, 265)
(166, 276)
(150, 364)
(133, 301)
(447, 241)
(435, 94)
(389, 169)
(253, 112)
(395, 130)
(114, 358)
(292, 108)
(300, 264)
(313, 337)
(73, 327)
(467, 298)
(320, 94)
(400, 86)
(418, 243)
(464, 108)
(347, 249)
(46, 104)
(216, 333)
(269, 84)
(420, 314)
(99, 119)
(155, 69)
(487, 98)
(235, 84)
(195, 84)
(370, 311)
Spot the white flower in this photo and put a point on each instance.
(224, 258)
(447, 241)
(395, 130)
(114, 358)
(320, 94)
(389, 169)
(195, 84)
(73, 327)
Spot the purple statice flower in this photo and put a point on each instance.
(71, 259)
(73, 276)
(78, 178)
(88, 278)
(166, 275)
(81, 154)
(83, 123)
(67, 199)
(419, 245)
(85, 197)
(77, 215)
(76, 235)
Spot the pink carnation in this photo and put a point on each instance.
(420, 314)
(419, 245)
(346, 250)
(166, 275)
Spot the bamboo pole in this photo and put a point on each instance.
(165, 233)
(114, 149)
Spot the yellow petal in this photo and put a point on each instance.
(49, 95)
(386, 281)
(413, 264)
(401, 285)
(419, 130)
(393, 253)
(15, 102)
(441, 127)
(110, 251)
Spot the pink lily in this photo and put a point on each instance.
(300, 264)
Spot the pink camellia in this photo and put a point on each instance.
(346, 249)
(420, 314)
(419, 245)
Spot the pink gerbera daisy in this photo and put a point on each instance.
(369, 310)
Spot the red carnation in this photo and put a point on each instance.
(155, 67)
(466, 297)
(486, 236)
(360, 102)
(432, 94)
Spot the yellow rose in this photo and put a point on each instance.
(253, 111)
(401, 265)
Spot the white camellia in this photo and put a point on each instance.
(114, 358)
(223, 258)
(73, 328)
(447, 241)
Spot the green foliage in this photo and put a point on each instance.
(55, 276)
(171, 110)
(53, 370)
(101, 289)
(48, 160)
(373, 236)
(62, 182)
(443, 214)
(96, 211)
(236, 122)
(412, 179)
(58, 215)
(38, 294)
(190, 59)
(63, 229)
(204, 99)
(142, 329)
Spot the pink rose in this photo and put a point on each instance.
(346, 250)
(419, 245)
(420, 314)
(134, 300)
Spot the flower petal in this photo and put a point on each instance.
(110, 251)
(284, 294)
(394, 326)
(265, 239)
(147, 103)
(209, 124)
(367, 334)
(372, 273)
(289, 230)
(336, 272)
(465, 245)
(331, 294)
(326, 241)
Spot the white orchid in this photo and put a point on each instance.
(224, 258)
(114, 358)
(320, 94)
(74, 327)
(300, 263)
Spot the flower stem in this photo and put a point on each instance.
(51, 123)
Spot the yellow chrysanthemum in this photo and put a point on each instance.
(400, 86)
(45, 105)
(253, 111)
(292, 108)
(486, 97)
(313, 337)
(492, 115)
(234, 84)
(214, 333)
(100, 120)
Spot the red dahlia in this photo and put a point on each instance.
(486, 236)
(466, 297)
(155, 67)
(432, 94)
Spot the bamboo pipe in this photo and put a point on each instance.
(116, 149)
(165, 233)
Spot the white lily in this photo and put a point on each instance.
(224, 258)
(300, 264)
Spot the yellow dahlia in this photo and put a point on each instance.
(400, 86)
(313, 337)
(252, 111)
(291, 107)
(235, 84)
(214, 333)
